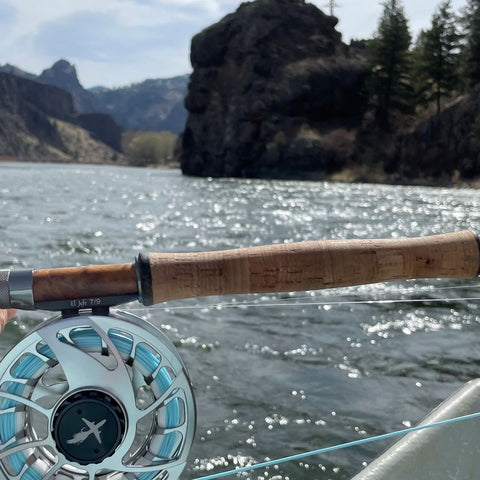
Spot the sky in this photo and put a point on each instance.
(115, 43)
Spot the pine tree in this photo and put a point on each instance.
(331, 5)
(472, 47)
(390, 86)
(437, 55)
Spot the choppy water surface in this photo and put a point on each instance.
(279, 374)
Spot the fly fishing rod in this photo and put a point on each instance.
(94, 394)
(160, 277)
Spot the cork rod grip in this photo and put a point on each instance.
(306, 266)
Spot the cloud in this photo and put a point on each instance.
(106, 50)
(8, 15)
(101, 37)
(140, 36)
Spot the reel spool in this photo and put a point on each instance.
(94, 397)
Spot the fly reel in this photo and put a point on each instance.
(94, 397)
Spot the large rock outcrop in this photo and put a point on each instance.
(274, 93)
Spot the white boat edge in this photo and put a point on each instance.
(446, 452)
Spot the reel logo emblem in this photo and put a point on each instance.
(83, 434)
(88, 427)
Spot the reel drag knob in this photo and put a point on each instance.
(88, 427)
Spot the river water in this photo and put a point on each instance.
(274, 375)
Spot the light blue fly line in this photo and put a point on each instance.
(333, 448)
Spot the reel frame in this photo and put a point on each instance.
(116, 366)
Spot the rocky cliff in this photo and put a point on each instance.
(38, 122)
(102, 127)
(274, 93)
(64, 76)
(442, 149)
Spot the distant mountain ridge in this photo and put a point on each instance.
(154, 104)
(18, 72)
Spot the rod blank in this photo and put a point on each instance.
(84, 282)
